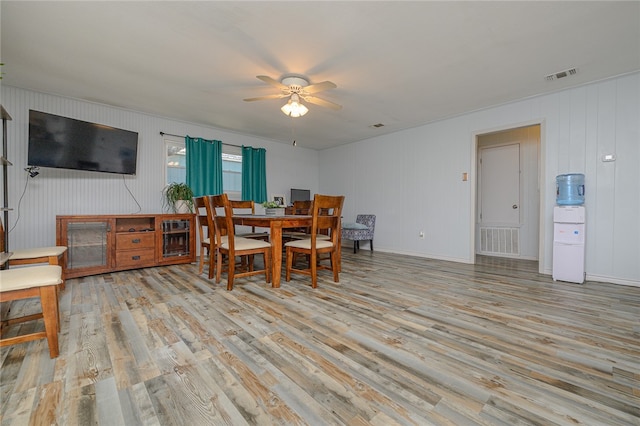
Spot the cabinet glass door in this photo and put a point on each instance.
(176, 238)
(87, 244)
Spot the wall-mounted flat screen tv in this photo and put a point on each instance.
(300, 195)
(66, 143)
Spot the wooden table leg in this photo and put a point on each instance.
(276, 253)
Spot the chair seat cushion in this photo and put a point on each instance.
(208, 240)
(306, 243)
(354, 225)
(252, 235)
(33, 253)
(296, 234)
(29, 277)
(246, 244)
(318, 237)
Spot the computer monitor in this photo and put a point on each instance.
(300, 195)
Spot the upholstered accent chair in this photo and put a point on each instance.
(362, 230)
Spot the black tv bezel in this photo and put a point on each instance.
(291, 200)
(132, 143)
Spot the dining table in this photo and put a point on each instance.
(275, 224)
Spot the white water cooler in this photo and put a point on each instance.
(568, 243)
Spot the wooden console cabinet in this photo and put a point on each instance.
(107, 243)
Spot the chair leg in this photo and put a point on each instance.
(334, 266)
(218, 267)
(49, 302)
(58, 290)
(371, 243)
(201, 267)
(267, 266)
(313, 264)
(289, 257)
(230, 273)
(355, 246)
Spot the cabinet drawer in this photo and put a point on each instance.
(135, 258)
(135, 241)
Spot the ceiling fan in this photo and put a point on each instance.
(296, 88)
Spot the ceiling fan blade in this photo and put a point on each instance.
(318, 87)
(262, 98)
(322, 102)
(273, 82)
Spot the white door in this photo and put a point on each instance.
(498, 232)
(499, 192)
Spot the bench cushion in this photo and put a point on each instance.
(33, 253)
(29, 277)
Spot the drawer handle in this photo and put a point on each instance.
(135, 240)
(135, 257)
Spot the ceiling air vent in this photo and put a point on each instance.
(561, 74)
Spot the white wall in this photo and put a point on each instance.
(69, 192)
(412, 179)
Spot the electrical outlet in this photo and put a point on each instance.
(421, 234)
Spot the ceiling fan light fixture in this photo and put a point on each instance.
(293, 108)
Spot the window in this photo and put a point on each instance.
(232, 171)
(176, 166)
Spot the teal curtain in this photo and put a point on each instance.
(254, 174)
(204, 166)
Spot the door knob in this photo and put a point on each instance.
(515, 206)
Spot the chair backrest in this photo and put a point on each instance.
(243, 207)
(199, 205)
(367, 219)
(219, 209)
(327, 213)
(302, 207)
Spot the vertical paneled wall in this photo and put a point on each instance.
(36, 201)
(412, 179)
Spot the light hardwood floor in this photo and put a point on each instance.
(400, 340)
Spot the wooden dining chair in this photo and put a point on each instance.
(299, 208)
(204, 233)
(247, 207)
(326, 212)
(233, 246)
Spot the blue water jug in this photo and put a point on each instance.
(570, 189)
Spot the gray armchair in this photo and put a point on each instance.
(361, 230)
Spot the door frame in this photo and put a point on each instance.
(541, 183)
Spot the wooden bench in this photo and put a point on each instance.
(54, 255)
(34, 281)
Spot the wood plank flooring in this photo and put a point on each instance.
(399, 341)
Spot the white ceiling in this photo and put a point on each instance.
(401, 64)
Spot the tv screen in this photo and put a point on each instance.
(300, 195)
(66, 143)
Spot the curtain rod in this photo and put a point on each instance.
(178, 136)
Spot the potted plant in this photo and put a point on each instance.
(273, 208)
(178, 197)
